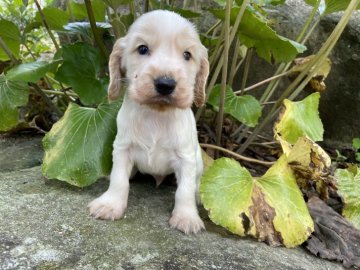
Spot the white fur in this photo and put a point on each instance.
(157, 140)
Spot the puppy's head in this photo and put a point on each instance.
(164, 61)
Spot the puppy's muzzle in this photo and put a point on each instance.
(164, 85)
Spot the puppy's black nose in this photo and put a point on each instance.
(164, 85)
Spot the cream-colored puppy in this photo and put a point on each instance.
(166, 68)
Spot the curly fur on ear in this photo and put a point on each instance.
(114, 89)
(200, 82)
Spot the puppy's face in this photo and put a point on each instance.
(165, 63)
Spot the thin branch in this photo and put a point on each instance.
(252, 160)
(246, 70)
(92, 21)
(46, 25)
(224, 72)
(263, 82)
(46, 99)
(234, 62)
(54, 92)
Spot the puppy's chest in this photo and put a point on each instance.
(153, 154)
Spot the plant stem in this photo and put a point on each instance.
(146, 6)
(283, 67)
(54, 92)
(233, 63)
(308, 21)
(252, 160)
(92, 21)
(132, 9)
(262, 82)
(305, 76)
(46, 25)
(246, 70)
(8, 52)
(46, 99)
(220, 119)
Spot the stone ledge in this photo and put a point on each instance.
(44, 224)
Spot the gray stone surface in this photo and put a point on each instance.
(44, 224)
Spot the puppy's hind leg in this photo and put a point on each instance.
(112, 204)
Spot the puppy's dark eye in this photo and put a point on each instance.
(187, 55)
(143, 49)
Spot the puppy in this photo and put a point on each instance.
(166, 68)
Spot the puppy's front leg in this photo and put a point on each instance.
(185, 215)
(112, 204)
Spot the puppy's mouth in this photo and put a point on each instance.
(161, 100)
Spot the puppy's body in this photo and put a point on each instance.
(155, 142)
(156, 127)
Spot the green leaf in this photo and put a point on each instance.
(12, 96)
(56, 18)
(244, 108)
(31, 72)
(270, 208)
(268, 2)
(79, 10)
(10, 34)
(349, 189)
(186, 13)
(299, 119)
(115, 4)
(78, 147)
(356, 143)
(255, 33)
(331, 6)
(80, 69)
(84, 28)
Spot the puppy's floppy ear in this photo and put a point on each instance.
(201, 78)
(115, 70)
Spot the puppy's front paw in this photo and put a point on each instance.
(186, 222)
(107, 206)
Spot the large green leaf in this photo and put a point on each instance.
(78, 147)
(10, 34)
(255, 33)
(331, 6)
(270, 208)
(12, 96)
(80, 13)
(31, 72)
(349, 188)
(80, 69)
(244, 108)
(299, 119)
(56, 18)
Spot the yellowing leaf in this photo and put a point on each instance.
(300, 118)
(270, 208)
(207, 160)
(349, 189)
(311, 163)
(317, 81)
(309, 159)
